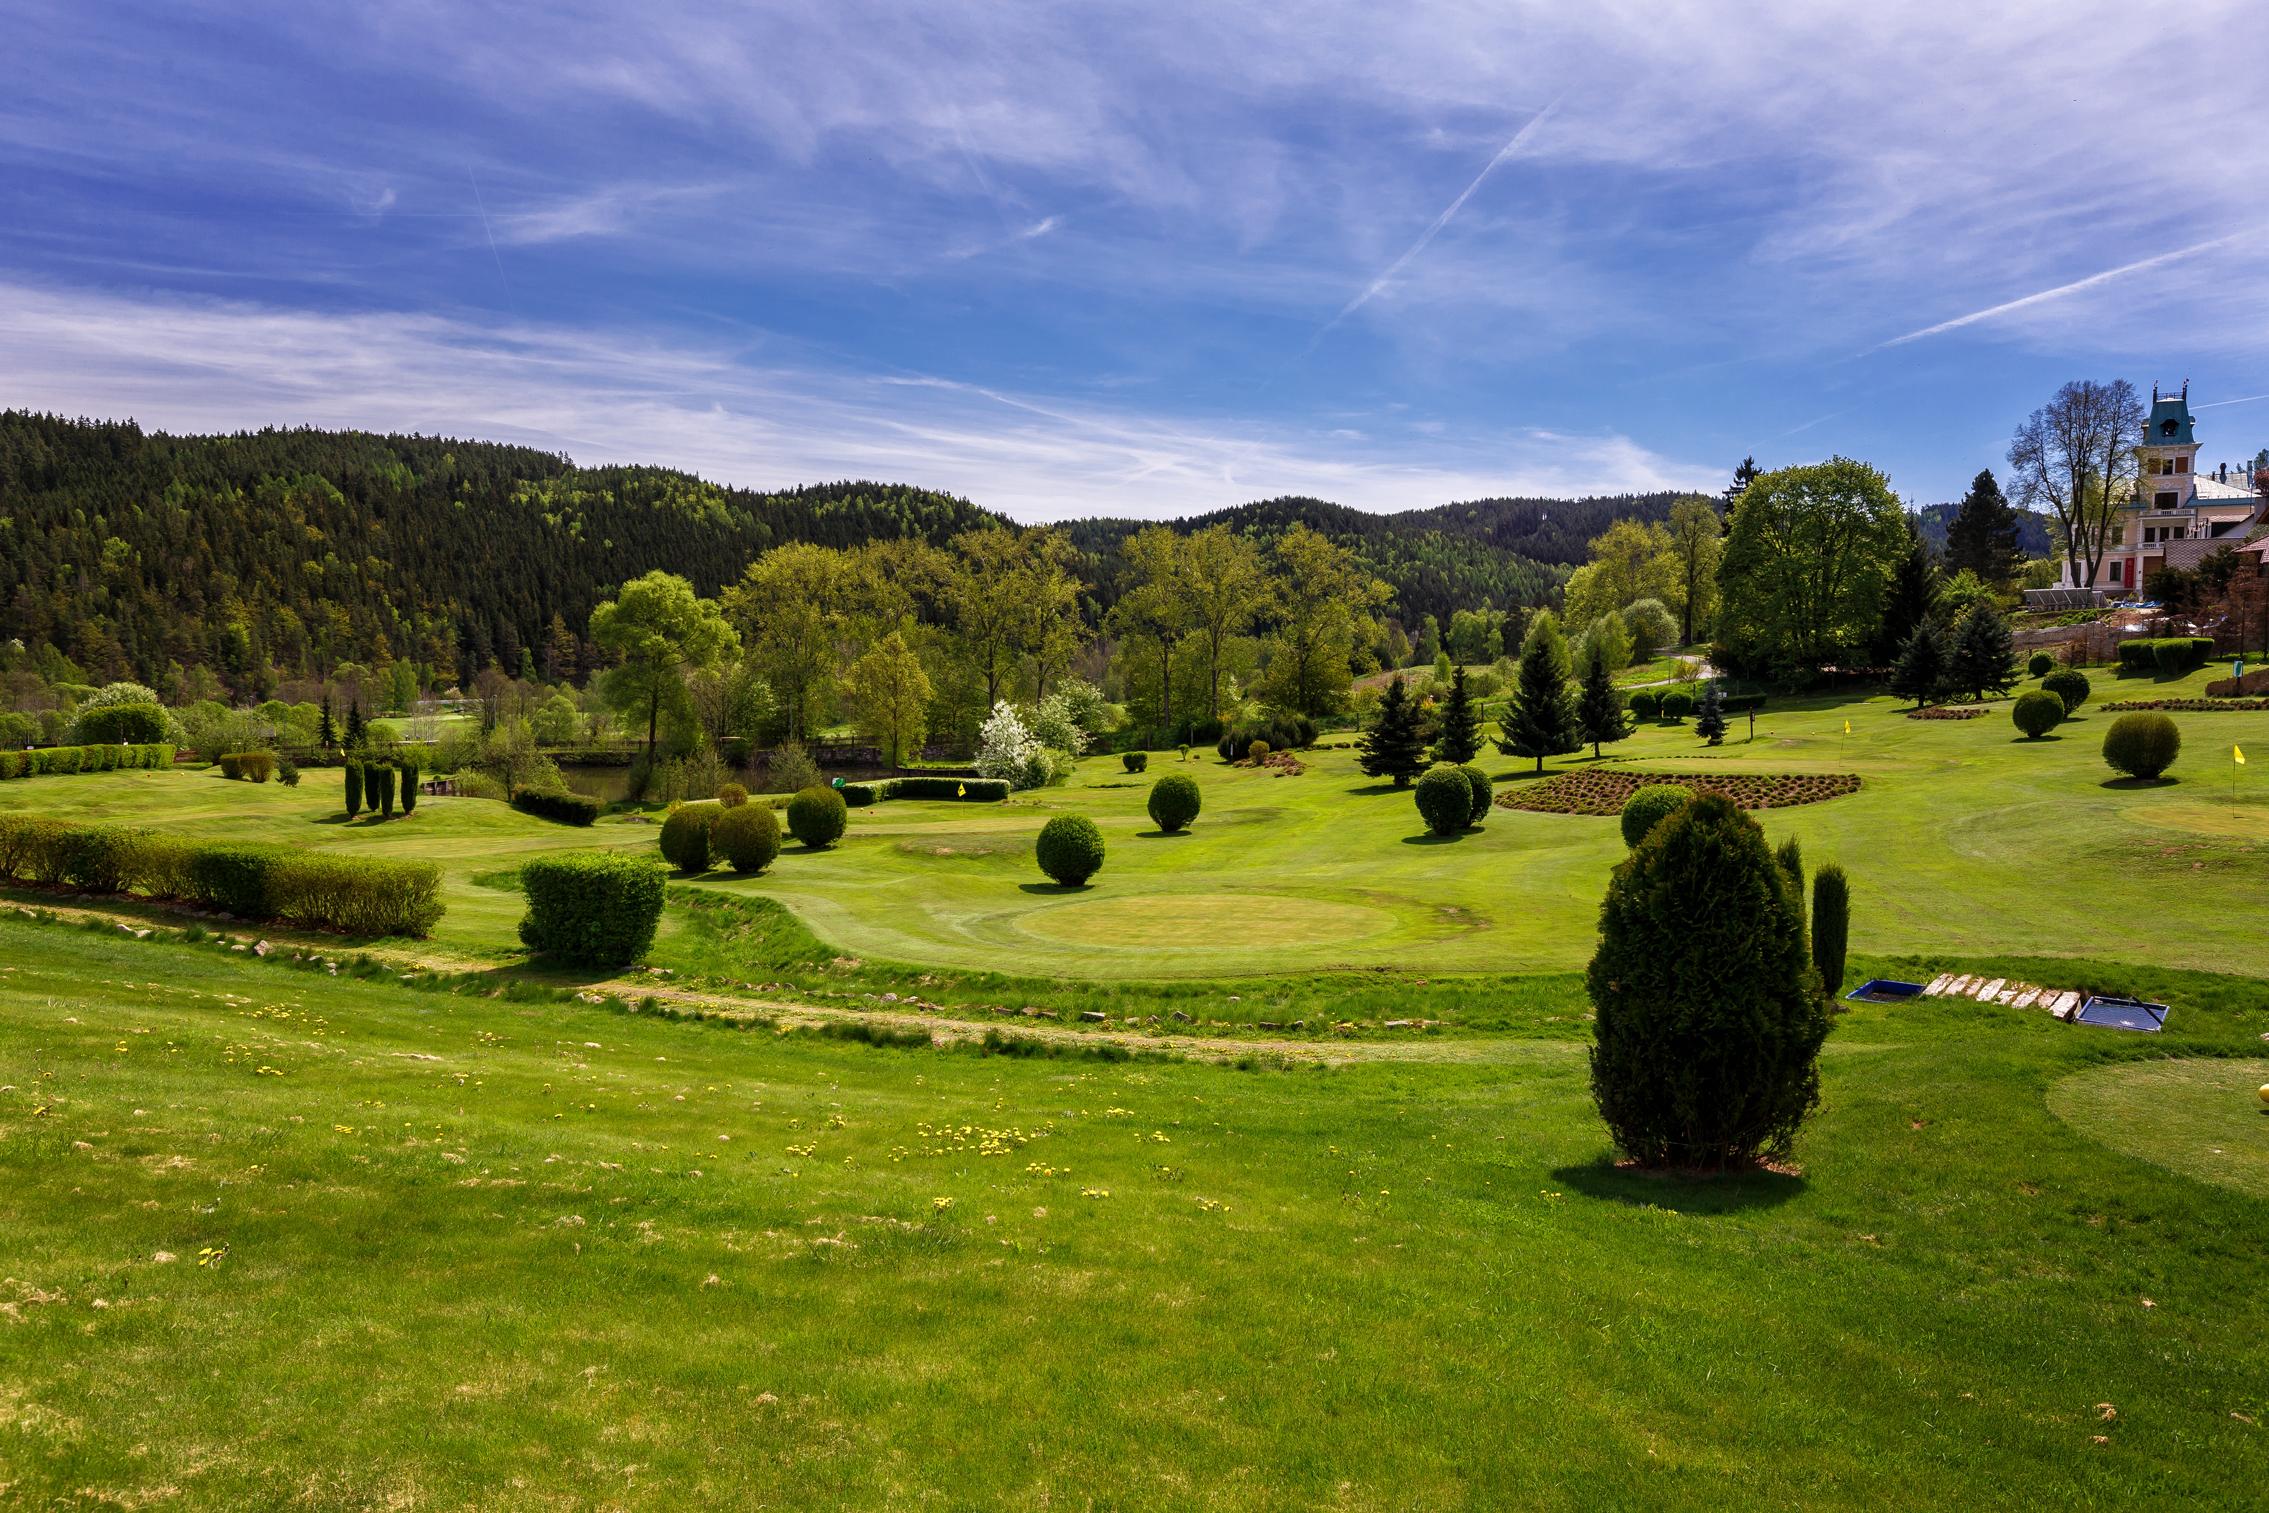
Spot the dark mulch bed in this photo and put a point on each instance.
(1604, 791)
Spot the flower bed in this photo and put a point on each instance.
(2189, 706)
(1603, 791)
(1945, 712)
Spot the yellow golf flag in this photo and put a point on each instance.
(2238, 754)
(962, 791)
(1847, 727)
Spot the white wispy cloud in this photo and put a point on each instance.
(608, 396)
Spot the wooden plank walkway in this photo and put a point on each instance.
(2060, 1002)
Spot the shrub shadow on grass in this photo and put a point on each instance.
(1697, 1193)
(1061, 890)
(1431, 839)
(2124, 784)
(1379, 788)
(1162, 835)
(2033, 740)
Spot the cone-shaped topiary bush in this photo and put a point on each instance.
(1649, 807)
(1484, 793)
(2068, 684)
(1070, 849)
(817, 815)
(2037, 712)
(2143, 744)
(746, 835)
(685, 834)
(1445, 800)
(1831, 926)
(1175, 801)
(1710, 1019)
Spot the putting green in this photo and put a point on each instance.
(2199, 1117)
(1202, 920)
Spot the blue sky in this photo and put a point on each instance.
(1142, 259)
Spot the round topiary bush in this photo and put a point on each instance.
(732, 796)
(1134, 761)
(1649, 807)
(1257, 753)
(1709, 1013)
(1483, 793)
(1070, 849)
(1445, 799)
(685, 834)
(2143, 744)
(1175, 801)
(817, 815)
(1644, 703)
(1677, 704)
(2037, 713)
(2040, 664)
(2069, 685)
(746, 836)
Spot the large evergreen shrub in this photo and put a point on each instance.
(2143, 744)
(1831, 926)
(557, 804)
(817, 815)
(1070, 849)
(685, 834)
(354, 787)
(1175, 801)
(1445, 800)
(1134, 761)
(1921, 671)
(2069, 685)
(1709, 1013)
(1983, 657)
(2037, 712)
(596, 909)
(1649, 807)
(378, 788)
(747, 836)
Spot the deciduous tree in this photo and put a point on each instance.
(2076, 455)
(1807, 564)
(658, 629)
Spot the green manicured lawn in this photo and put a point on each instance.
(463, 1252)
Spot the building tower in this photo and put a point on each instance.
(2169, 455)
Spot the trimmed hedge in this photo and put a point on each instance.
(1282, 732)
(2037, 713)
(362, 895)
(1676, 704)
(685, 834)
(746, 837)
(1070, 849)
(1644, 703)
(967, 790)
(1484, 793)
(2142, 745)
(596, 909)
(860, 795)
(250, 766)
(61, 761)
(1445, 799)
(1134, 761)
(1175, 802)
(563, 807)
(121, 724)
(2069, 685)
(2165, 654)
(817, 816)
(1649, 807)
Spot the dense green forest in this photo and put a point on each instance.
(287, 552)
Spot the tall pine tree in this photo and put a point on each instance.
(354, 725)
(1912, 596)
(1983, 659)
(1459, 739)
(1921, 673)
(1395, 745)
(1600, 716)
(1542, 719)
(1982, 536)
(326, 733)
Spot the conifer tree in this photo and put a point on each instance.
(1984, 655)
(1709, 720)
(1908, 602)
(1395, 745)
(354, 725)
(326, 733)
(1921, 673)
(1542, 719)
(1459, 739)
(1600, 716)
(1982, 536)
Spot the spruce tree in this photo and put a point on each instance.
(1709, 720)
(1982, 536)
(1459, 738)
(1600, 716)
(1541, 721)
(1395, 745)
(1912, 596)
(1983, 659)
(1921, 672)
(326, 733)
(354, 725)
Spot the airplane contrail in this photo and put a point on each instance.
(2058, 292)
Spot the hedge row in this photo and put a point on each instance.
(361, 895)
(566, 808)
(967, 790)
(56, 760)
(2168, 654)
(249, 766)
(2189, 706)
(595, 908)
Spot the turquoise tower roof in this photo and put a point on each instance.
(2169, 424)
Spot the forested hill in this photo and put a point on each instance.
(300, 549)
(1498, 552)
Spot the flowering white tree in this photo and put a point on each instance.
(1005, 749)
(1056, 727)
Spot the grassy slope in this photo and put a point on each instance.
(494, 1255)
(1965, 841)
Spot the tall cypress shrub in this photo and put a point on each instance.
(378, 788)
(1831, 926)
(1709, 1015)
(409, 785)
(354, 788)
